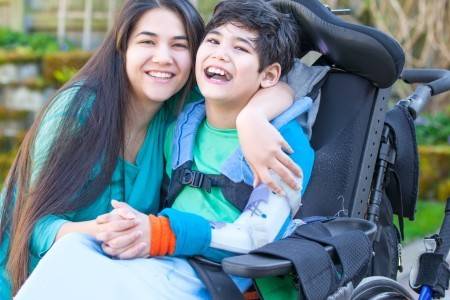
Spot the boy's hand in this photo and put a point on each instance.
(265, 149)
(129, 243)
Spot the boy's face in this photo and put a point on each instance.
(227, 65)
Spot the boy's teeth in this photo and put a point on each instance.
(216, 71)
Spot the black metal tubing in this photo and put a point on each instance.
(368, 163)
(434, 81)
(444, 233)
(386, 157)
(437, 79)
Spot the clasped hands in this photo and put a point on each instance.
(124, 232)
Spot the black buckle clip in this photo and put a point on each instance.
(192, 178)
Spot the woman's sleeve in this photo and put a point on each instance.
(46, 228)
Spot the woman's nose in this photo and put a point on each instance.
(162, 55)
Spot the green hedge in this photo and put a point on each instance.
(18, 115)
(10, 143)
(37, 43)
(435, 130)
(6, 160)
(59, 67)
(434, 179)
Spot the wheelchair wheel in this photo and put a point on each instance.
(385, 261)
(380, 288)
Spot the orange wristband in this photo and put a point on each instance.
(155, 232)
(163, 239)
(164, 246)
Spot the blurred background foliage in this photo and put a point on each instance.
(34, 63)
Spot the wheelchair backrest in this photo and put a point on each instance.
(346, 137)
(348, 128)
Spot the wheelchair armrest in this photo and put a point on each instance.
(256, 265)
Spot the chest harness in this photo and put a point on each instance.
(236, 178)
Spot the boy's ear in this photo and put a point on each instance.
(270, 75)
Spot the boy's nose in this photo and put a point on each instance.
(220, 54)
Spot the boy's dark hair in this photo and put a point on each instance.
(277, 33)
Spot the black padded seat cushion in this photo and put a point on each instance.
(355, 48)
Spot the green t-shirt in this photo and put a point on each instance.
(212, 147)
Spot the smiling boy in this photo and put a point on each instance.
(248, 47)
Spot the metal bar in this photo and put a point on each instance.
(87, 25)
(111, 13)
(62, 15)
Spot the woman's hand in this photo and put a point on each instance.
(129, 243)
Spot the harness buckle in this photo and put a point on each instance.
(193, 178)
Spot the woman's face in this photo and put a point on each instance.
(158, 59)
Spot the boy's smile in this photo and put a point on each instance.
(217, 75)
(227, 66)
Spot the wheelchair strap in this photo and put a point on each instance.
(406, 165)
(433, 272)
(317, 274)
(219, 284)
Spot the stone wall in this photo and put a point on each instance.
(16, 87)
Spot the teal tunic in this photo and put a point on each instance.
(137, 184)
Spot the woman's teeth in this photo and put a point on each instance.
(160, 75)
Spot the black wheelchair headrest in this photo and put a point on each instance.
(357, 49)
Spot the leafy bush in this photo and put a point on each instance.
(7, 114)
(64, 74)
(61, 66)
(11, 143)
(36, 43)
(10, 39)
(435, 130)
(43, 43)
(434, 179)
(6, 161)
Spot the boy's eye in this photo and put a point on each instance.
(241, 49)
(212, 41)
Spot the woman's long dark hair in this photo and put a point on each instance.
(67, 182)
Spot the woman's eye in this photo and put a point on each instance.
(181, 46)
(147, 42)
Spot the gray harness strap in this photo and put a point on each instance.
(236, 177)
(219, 285)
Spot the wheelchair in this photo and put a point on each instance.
(365, 172)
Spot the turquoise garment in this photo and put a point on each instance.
(137, 184)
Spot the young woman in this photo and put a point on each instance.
(101, 136)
